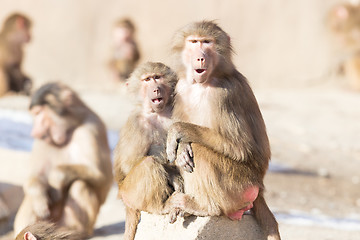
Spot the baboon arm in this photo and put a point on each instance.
(35, 186)
(191, 133)
(133, 145)
(37, 183)
(63, 175)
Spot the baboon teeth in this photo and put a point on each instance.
(157, 100)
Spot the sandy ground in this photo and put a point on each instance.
(313, 183)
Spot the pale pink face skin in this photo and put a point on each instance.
(121, 35)
(48, 126)
(21, 33)
(248, 197)
(200, 58)
(155, 92)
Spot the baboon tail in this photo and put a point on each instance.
(265, 218)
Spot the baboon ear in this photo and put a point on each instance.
(29, 236)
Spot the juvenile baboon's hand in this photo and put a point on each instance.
(174, 213)
(185, 157)
(41, 207)
(178, 203)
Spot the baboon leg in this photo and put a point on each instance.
(25, 216)
(81, 208)
(132, 220)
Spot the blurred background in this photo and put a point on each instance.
(283, 47)
(277, 43)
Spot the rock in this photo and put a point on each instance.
(157, 227)
(10, 199)
(4, 210)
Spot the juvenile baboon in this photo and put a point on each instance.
(46, 231)
(144, 176)
(71, 171)
(343, 20)
(220, 140)
(125, 52)
(14, 34)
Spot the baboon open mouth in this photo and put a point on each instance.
(200, 70)
(157, 100)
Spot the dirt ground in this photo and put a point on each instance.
(313, 182)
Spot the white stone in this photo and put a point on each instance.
(157, 227)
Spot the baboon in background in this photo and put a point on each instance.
(46, 231)
(145, 178)
(71, 171)
(125, 52)
(220, 141)
(14, 34)
(343, 20)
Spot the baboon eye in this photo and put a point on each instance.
(193, 41)
(207, 41)
(156, 77)
(147, 79)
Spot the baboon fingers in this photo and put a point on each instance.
(171, 150)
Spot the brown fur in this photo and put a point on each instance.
(343, 21)
(71, 172)
(219, 116)
(46, 231)
(144, 177)
(14, 34)
(125, 52)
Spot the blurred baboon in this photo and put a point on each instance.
(343, 20)
(125, 52)
(46, 231)
(220, 140)
(144, 176)
(71, 172)
(14, 34)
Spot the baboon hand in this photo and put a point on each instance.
(175, 137)
(174, 213)
(184, 157)
(172, 144)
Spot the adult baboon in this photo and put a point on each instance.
(145, 178)
(125, 52)
(343, 21)
(71, 172)
(14, 34)
(220, 139)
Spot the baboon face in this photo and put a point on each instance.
(156, 93)
(49, 126)
(54, 121)
(154, 84)
(200, 57)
